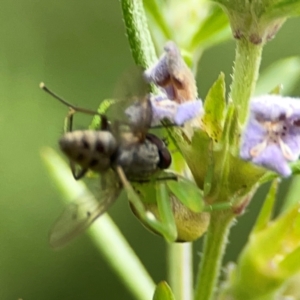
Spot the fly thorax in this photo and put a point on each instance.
(89, 149)
(139, 160)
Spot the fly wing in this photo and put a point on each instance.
(139, 114)
(133, 107)
(131, 84)
(79, 215)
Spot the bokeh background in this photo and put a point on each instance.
(80, 50)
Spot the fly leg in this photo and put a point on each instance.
(165, 178)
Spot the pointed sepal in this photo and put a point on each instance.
(163, 292)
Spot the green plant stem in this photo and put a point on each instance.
(138, 34)
(180, 272)
(104, 233)
(214, 247)
(245, 74)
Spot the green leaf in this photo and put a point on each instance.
(265, 214)
(223, 163)
(234, 133)
(187, 193)
(163, 292)
(283, 72)
(295, 166)
(153, 9)
(214, 107)
(165, 211)
(292, 196)
(138, 207)
(213, 30)
(276, 90)
(291, 264)
(281, 232)
(210, 172)
(228, 124)
(283, 9)
(189, 225)
(147, 192)
(243, 176)
(196, 155)
(271, 255)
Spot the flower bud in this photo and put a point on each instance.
(190, 225)
(259, 20)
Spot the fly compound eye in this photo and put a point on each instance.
(165, 158)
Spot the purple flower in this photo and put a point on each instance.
(163, 108)
(173, 75)
(272, 135)
(178, 102)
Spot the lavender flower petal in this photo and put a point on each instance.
(253, 135)
(187, 111)
(272, 135)
(174, 112)
(273, 159)
(173, 75)
(164, 109)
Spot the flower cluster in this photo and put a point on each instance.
(178, 101)
(272, 135)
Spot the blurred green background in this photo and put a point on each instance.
(80, 50)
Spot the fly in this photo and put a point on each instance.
(112, 151)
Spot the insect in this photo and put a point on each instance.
(128, 157)
(119, 151)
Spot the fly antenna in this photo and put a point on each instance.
(75, 108)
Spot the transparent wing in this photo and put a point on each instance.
(80, 214)
(131, 84)
(130, 91)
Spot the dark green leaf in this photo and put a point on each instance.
(292, 196)
(265, 214)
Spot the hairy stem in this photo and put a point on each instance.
(214, 247)
(138, 34)
(245, 74)
(180, 272)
